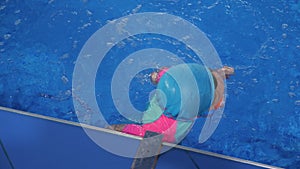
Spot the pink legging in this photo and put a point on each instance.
(163, 125)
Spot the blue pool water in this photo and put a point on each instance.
(40, 41)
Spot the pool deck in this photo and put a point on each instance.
(35, 141)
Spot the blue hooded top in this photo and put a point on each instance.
(184, 92)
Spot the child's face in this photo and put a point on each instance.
(154, 78)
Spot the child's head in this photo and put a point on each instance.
(155, 76)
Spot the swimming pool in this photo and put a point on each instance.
(40, 41)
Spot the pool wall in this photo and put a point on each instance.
(35, 141)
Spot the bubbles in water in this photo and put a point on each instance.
(284, 35)
(74, 45)
(65, 56)
(64, 79)
(284, 26)
(135, 10)
(255, 80)
(18, 21)
(85, 25)
(6, 36)
(89, 13)
(291, 94)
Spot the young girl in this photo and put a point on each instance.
(163, 113)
